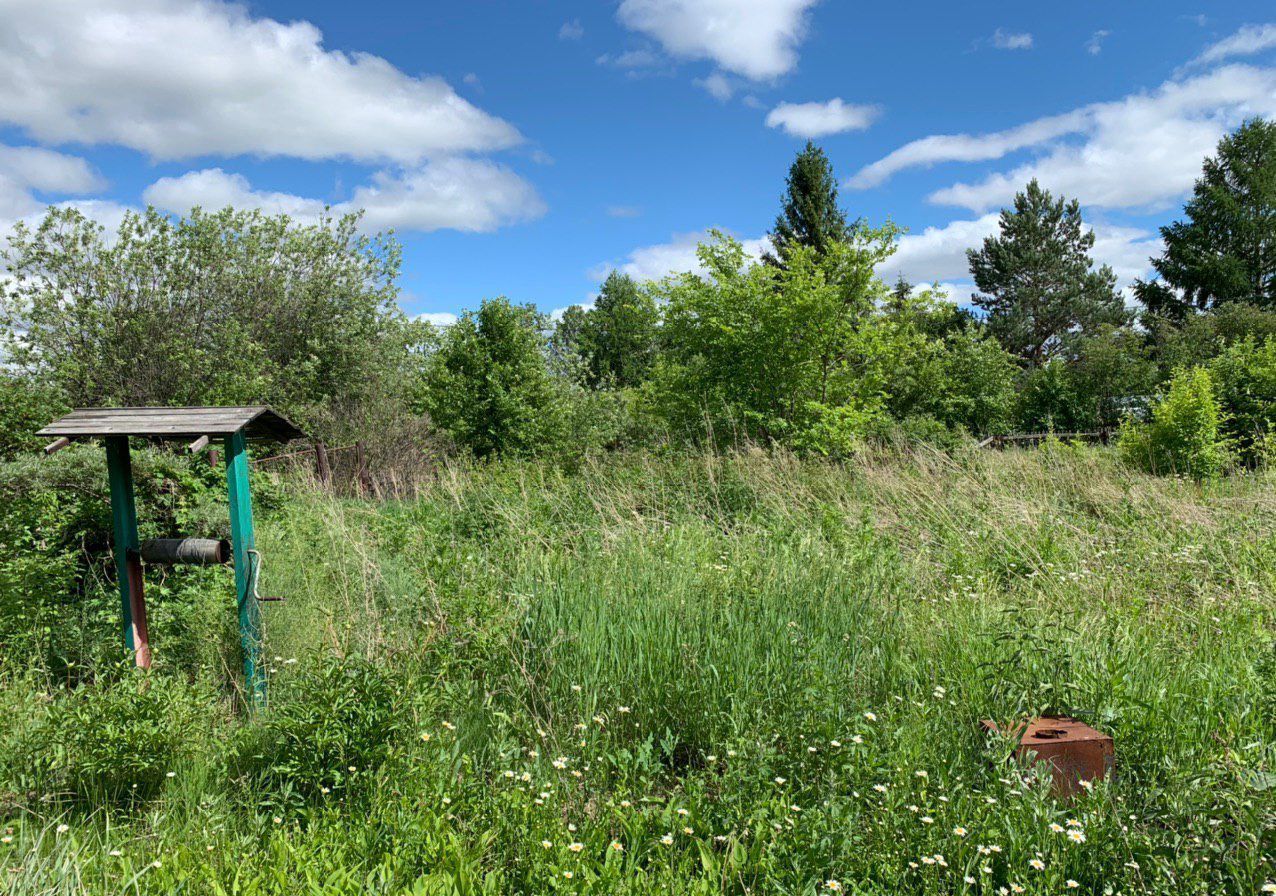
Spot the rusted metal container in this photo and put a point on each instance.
(1075, 751)
(188, 551)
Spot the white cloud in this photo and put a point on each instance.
(939, 253)
(754, 38)
(1009, 40)
(28, 170)
(814, 120)
(630, 59)
(718, 86)
(182, 78)
(1094, 46)
(677, 256)
(439, 319)
(623, 211)
(966, 147)
(1246, 42)
(458, 194)
(1142, 151)
(572, 30)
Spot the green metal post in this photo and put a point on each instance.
(243, 548)
(124, 522)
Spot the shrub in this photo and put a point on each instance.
(117, 741)
(1245, 377)
(1184, 435)
(323, 731)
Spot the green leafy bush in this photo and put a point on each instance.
(1184, 435)
(1245, 378)
(324, 730)
(118, 741)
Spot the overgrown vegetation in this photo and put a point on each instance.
(696, 674)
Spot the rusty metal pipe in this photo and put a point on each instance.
(186, 551)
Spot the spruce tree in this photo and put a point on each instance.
(1226, 249)
(1036, 281)
(810, 214)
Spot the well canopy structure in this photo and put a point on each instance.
(233, 426)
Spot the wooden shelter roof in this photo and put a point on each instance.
(258, 422)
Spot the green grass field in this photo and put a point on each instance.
(701, 675)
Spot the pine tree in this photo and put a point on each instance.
(810, 214)
(1036, 278)
(1226, 249)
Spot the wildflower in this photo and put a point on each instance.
(811, 750)
(833, 886)
(560, 762)
(1072, 885)
(922, 773)
(926, 819)
(959, 831)
(880, 788)
(425, 736)
(625, 804)
(525, 777)
(170, 775)
(1016, 888)
(568, 875)
(870, 716)
(711, 758)
(667, 839)
(1268, 887)
(449, 726)
(927, 860)
(577, 773)
(63, 828)
(545, 844)
(795, 808)
(447, 801)
(576, 688)
(571, 827)
(941, 861)
(688, 831)
(856, 739)
(781, 781)
(912, 865)
(576, 847)
(1037, 864)
(599, 720)
(1076, 835)
(156, 864)
(115, 853)
(969, 879)
(1056, 827)
(731, 754)
(1073, 823)
(835, 743)
(6, 839)
(683, 812)
(509, 774)
(351, 769)
(278, 820)
(622, 709)
(617, 846)
(1088, 785)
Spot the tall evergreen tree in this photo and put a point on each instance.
(1036, 280)
(810, 214)
(1226, 249)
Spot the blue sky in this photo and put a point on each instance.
(522, 148)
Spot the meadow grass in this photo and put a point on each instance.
(713, 674)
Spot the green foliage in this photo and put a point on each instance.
(617, 338)
(117, 741)
(215, 308)
(810, 216)
(1199, 338)
(1035, 278)
(1222, 253)
(750, 347)
(1245, 381)
(328, 728)
(26, 404)
(1184, 436)
(487, 386)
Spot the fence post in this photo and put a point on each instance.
(361, 462)
(323, 469)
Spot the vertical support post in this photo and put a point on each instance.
(243, 548)
(323, 469)
(128, 564)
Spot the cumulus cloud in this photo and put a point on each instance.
(458, 194)
(813, 120)
(572, 30)
(182, 78)
(677, 256)
(441, 319)
(754, 38)
(26, 171)
(1139, 152)
(718, 86)
(1009, 40)
(939, 253)
(1246, 42)
(1094, 46)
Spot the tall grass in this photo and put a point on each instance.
(739, 674)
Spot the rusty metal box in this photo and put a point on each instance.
(1075, 751)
